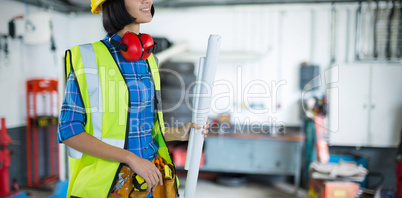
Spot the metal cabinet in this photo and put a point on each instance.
(217, 155)
(386, 106)
(275, 157)
(254, 156)
(365, 103)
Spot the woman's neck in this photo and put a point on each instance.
(133, 27)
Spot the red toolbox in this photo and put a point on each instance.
(332, 189)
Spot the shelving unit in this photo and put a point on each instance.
(41, 127)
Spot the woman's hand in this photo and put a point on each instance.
(147, 170)
(90, 145)
(182, 133)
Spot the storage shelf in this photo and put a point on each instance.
(34, 130)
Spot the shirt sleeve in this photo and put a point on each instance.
(72, 115)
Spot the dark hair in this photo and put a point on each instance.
(115, 15)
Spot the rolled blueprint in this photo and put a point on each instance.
(195, 106)
(200, 114)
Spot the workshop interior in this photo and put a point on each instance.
(305, 99)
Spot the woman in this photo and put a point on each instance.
(111, 116)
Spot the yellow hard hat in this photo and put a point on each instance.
(96, 6)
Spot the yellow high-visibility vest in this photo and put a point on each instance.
(105, 95)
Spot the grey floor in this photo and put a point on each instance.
(210, 189)
(39, 193)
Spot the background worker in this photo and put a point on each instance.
(77, 120)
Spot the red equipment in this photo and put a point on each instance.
(322, 145)
(399, 170)
(399, 180)
(5, 161)
(34, 88)
(135, 47)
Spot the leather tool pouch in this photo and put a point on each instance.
(127, 188)
(167, 190)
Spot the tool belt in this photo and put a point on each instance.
(131, 185)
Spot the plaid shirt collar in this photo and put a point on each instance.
(114, 37)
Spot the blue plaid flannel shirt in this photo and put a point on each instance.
(141, 88)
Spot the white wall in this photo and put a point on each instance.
(26, 62)
(85, 28)
(280, 37)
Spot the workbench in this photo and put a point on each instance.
(252, 152)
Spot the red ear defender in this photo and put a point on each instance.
(148, 45)
(135, 47)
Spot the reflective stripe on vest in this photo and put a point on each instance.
(95, 98)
